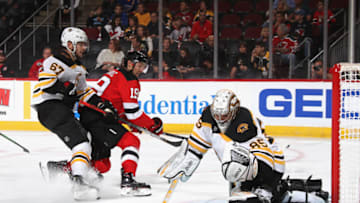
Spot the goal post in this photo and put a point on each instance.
(345, 133)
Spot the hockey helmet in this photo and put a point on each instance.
(224, 106)
(74, 35)
(137, 57)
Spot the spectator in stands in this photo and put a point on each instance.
(131, 30)
(317, 71)
(170, 61)
(185, 13)
(65, 10)
(284, 48)
(142, 15)
(118, 12)
(201, 29)
(114, 30)
(98, 20)
(13, 15)
(207, 58)
(108, 7)
(203, 7)
(260, 60)
(4, 70)
(128, 5)
(318, 17)
(280, 19)
(153, 26)
(112, 56)
(186, 65)
(38, 64)
(264, 37)
(167, 18)
(299, 4)
(142, 33)
(300, 29)
(241, 66)
(137, 44)
(180, 31)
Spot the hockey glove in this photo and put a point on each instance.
(157, 128)
(111, 114)
(69, 89)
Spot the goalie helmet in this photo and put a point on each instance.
(73, 35)
(224, 108)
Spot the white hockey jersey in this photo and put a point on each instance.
(63, 69)
(245, 130)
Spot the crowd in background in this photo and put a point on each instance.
(188, 44)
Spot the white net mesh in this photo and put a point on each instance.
(349, 135)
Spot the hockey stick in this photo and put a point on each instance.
(173, 143)
(14, 142)
(174, 135)
(171, 189)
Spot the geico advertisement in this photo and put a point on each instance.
(277, 103)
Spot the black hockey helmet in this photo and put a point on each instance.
(137, 57)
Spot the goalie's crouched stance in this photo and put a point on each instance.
(251, 162)
(248, 161)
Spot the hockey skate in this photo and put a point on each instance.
(52, 169)
(82, 190)
(129, 187)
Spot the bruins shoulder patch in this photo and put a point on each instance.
(243, 127)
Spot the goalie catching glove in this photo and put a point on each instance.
(238, 163)
(185, 162)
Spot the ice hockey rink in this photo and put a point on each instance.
(22, 182)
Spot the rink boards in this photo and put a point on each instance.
(290, 108)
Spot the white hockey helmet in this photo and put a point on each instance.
(224, 106)
(74, 35)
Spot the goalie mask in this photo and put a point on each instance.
(224, 108)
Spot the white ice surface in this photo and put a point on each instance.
(21, 180)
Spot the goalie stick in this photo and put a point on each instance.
(173, 143)
(14, 142)
(171, 189)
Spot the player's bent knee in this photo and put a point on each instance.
(102, 165)
(129, 139)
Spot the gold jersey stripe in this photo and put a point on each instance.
(79, 159)
(266, 149)
(264, 156)
(206, 124)
(280, 162)
(197, 147)
(44, 83)
(226, 138)
(278, 152)
(198, 137)
(81, 153)
(87, 94)
(37, 94)
(47, 75)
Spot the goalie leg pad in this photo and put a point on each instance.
(182, 162)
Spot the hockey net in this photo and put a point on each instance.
(346, 133)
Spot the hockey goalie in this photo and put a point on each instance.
(251, 162)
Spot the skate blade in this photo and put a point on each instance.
(86, 194)
(129, 192)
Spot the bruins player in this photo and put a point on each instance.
(249, 162)
(62, 81)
